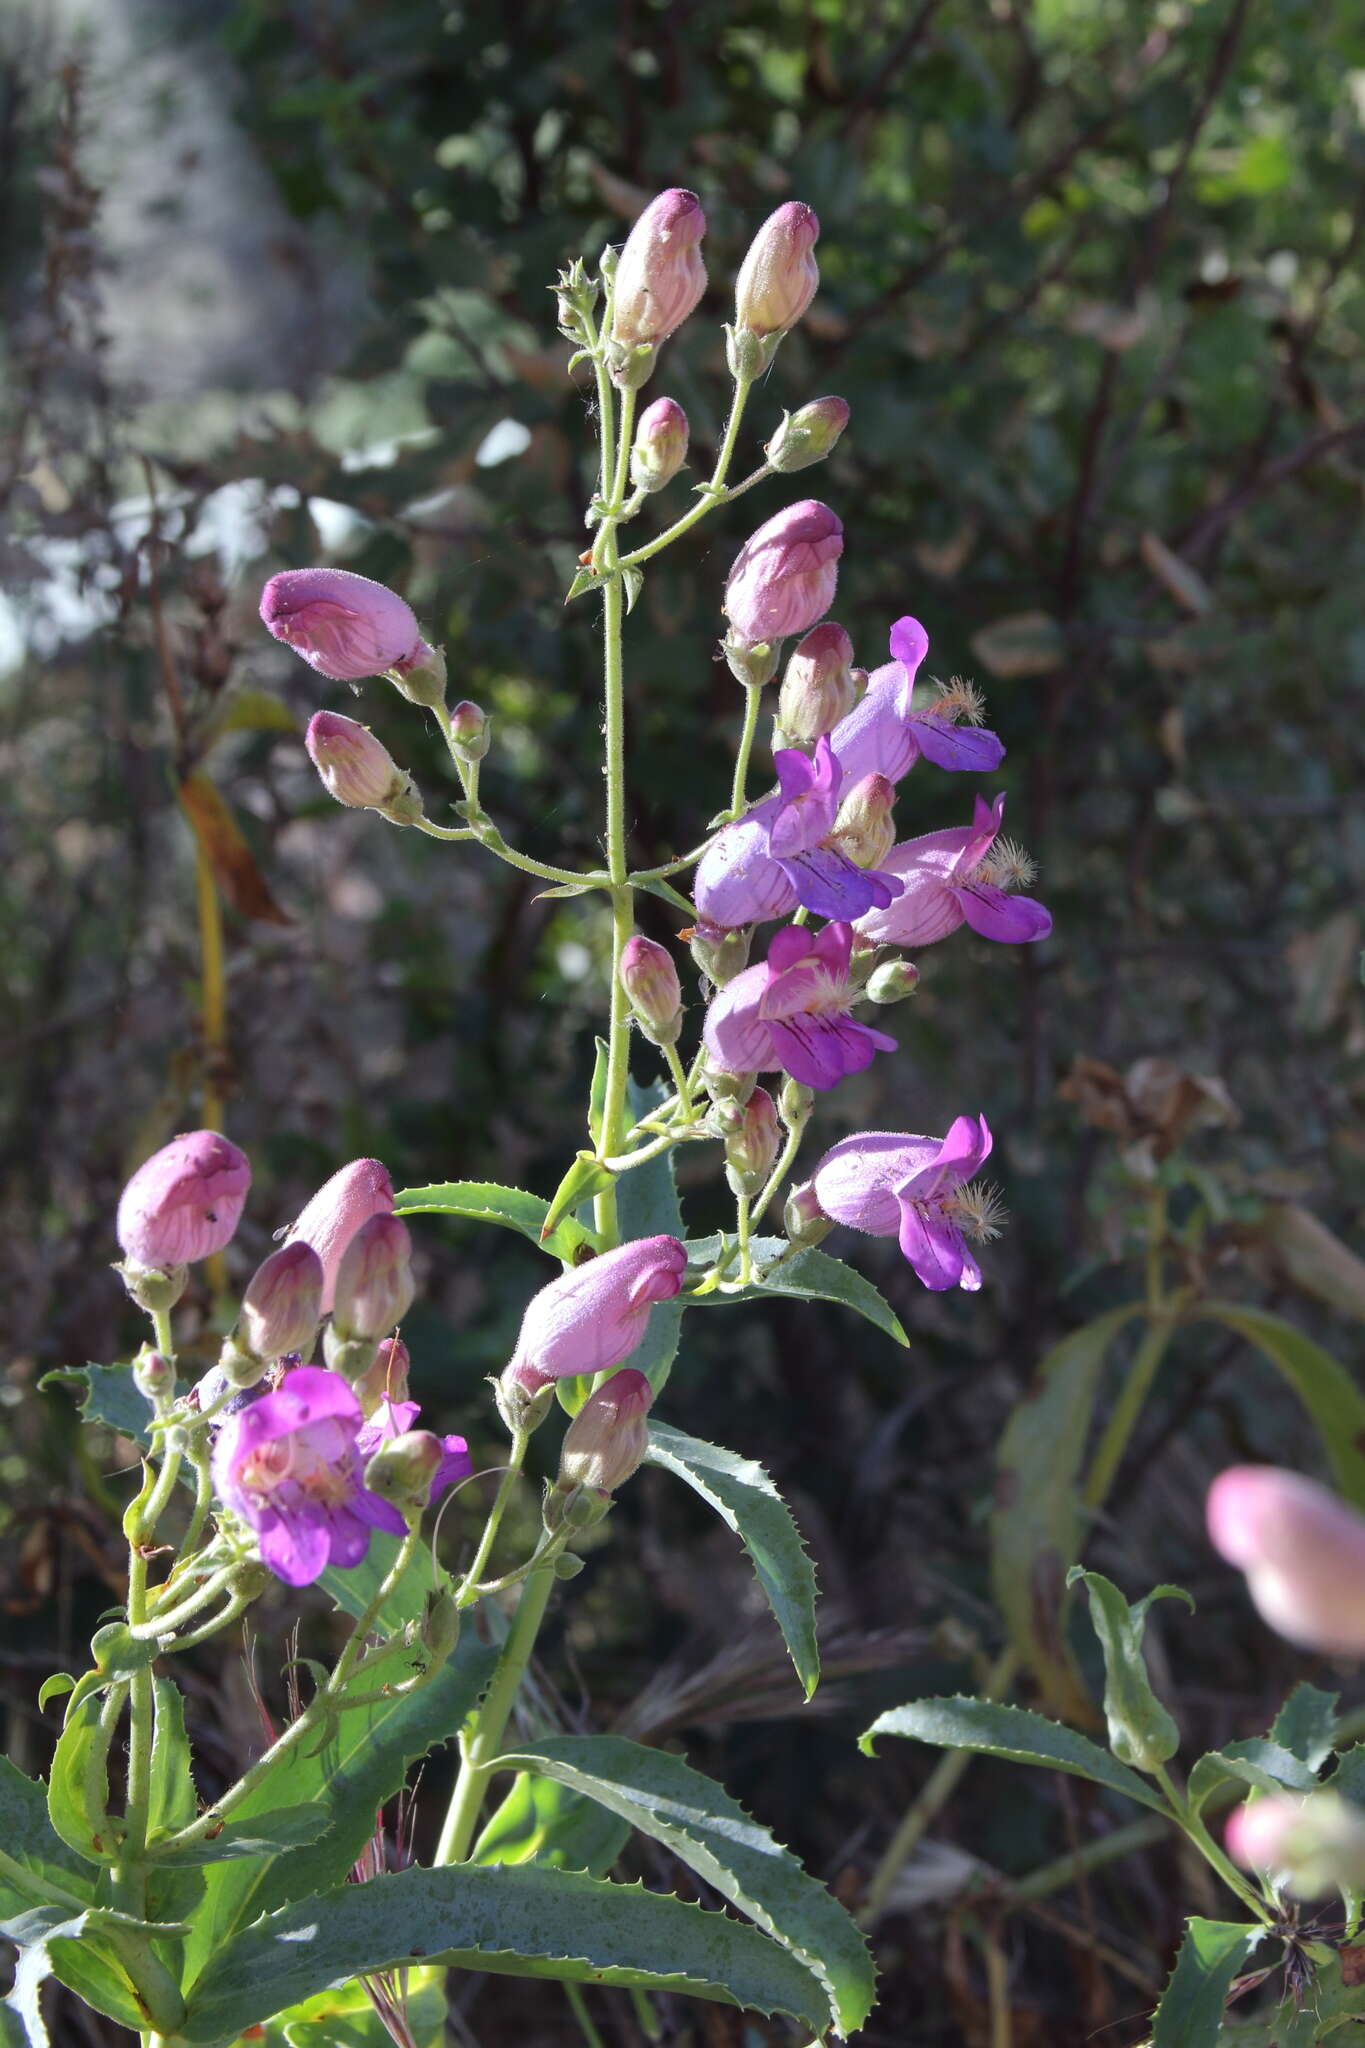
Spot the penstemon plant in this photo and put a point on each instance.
(299, 1457)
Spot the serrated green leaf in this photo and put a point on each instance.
(1349, 1776)
(586, 1178)
(31, 1840)
(107, 1394)
(805, 1276)
(513, 1920)
(118, 1653)
(486, 1202)
(698, 1820)
(173, 1894)
(76, 1949)
(1141, 1731)
(1211, 1958)
(1306, 1724)
(744, 1496)
(66, 1804)
(1038, 1519)
(542, 1821)
(1253, 1762)
(1014, 1733)
(1334, 1403)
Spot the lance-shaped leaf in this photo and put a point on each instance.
(1141, 1731)
(1253, 1762)
(586, 1178)
(76, 1777)
(1014, 1733)
(486, 1202)
(698, 1820)
(1335, 1404)
(785, 1275)
(1211, 1958)
(80, 1950)
(48, 1864)
(513, 1920)
(544, 1822)
(744, 1497)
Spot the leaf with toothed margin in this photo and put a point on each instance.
(107, 1394)
(705, 1828)
(802, 1276)
(1015, 1733)
(744, 1496)
(508, 1919)
(486, 1202)
(1211, 1957)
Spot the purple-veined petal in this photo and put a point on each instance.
(927, 909)
(985, 830)
(737, 880)
(1011, 920)
(832, 885)
(964, 747)
(859, 1180)
(877, 737)
(735, 1036)
(834, 948)
(933, 1246)
(796, 990)
(810, 1050)
(295, 1547)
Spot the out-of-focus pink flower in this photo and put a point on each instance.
(282, 1306)
(783, 578)
(883, 735)
(891, 1184)
(607, 1439)
(779, 276)
(1312, 1845)
(1303, 1552)
(792, 1012)
(594, 1316)
(956, 876)
(345, 626)
(332, 1218)
(660, 276)
(184, 1202)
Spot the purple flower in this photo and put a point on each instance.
(882, 735)
(954, 876)
(291, 1466)
(345, 626)
(783, 577)
(737, 880)
(791, 1011)
(184, 1202)
(393, 1419)
(824, 879)
(594, 1316)
(893, 1185)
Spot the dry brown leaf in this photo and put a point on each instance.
(234, 865)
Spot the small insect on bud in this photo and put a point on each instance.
(660, 275)
(387, 1378)
(374, 1287)
(182, 1204)
(607, 1439)
(660, 446)
(807, 436)
(751, 1150)
(153, 1374)
(891, 981)
(777, 281)
(795, 1103)
(469, 731)
(720, 953)
(804, 1221)
(424, 681)
(817, 687)
(864, 828)
(650, 979)
(282, 1306)
(402, 1469)
(358, 770)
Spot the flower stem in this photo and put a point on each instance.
(481, 1749)
(469, 1584)
(753, 697)
(712, 493)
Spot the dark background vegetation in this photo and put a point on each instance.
(1091, 286)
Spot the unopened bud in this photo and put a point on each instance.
(660, 446)
(282, 1306)
(402, 1469)
(892, 981)
(249, 1579)
(720, 953)
(779, 276)
(239, 1367)
(156, 1289)
(524, 1398)
(864, 828)
(567, 1566)
(357, 769)
(607, 1439)
(751, 1151)
(387, 1378)
(723, 1087)
(424, 682)
(817, 686)
(374, 1287)
(153, 1374)
(752, 663)
(804, 1221)
(182, 1204)
(783, 579)
(469, 731)
(650, 979)
(440, 1627)
(659, 276)
(807, 435)
(795, 1103)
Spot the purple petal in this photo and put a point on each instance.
(966, 1146)
(927, 909)
(788, 946)
(735, 1035)
(810, 1050)
(909, 643)
(1012, 920)
(834, 947)
(832, 885)
(877, 737)
(295, 1547)
(455, 1465)
(859, 1180)
(985, 830)
(970, 1281)
(380, 1514)
(308, 1394)
(795, 773)
(968, 747)
(737, 881)
(795, 991)
(934, 1247)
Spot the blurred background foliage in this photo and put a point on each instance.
(275, 280)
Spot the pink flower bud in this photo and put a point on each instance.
(607, 1439)
(357, 769)
(804, 1221)
(401, 1471)
(778, 277)
(594, 1316)
(469, 731)
(345, 626)
(817, 688)
(651, 981)
(1313, 1845)
(374, 1284)
(660, 276)
(153, 1374)
(807, 436)
(184, 1202)
(329, 1222)
(751, 1150)
(864, 828)
(1303, 1552)
(784, 576)
(660, 446)
(282, 1306)
(387, 1378)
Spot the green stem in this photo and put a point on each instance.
(579, 2007)
(495, 843)
(753, 697)
(742, 1222)
(686, 1112)
(622, 896)
(1203, 1841)
(482, 1748)
(795, 1133)
(469, 1585)
(1129, 1406)
(224, 1618)
(710, 494)
(168, 1621)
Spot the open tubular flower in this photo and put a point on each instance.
(345, 626)
(593, 1317)
(792, 1012)
(783, 578)
(185, 1202)
(1303, 1552)
(891, 1184)
(885, 735)
(660, 275)
(960, 875)
(336, 1212)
